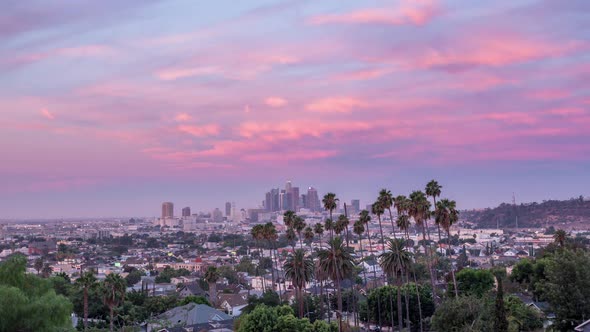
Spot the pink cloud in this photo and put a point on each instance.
(364, 74)
(547, 95)
(182, 117)
(46, 114)
(511, 117)
(199, 131)
(275, 101)
(566, 111)
(335, 105)
(171, 74)
(408, 12)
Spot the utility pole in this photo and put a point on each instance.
(515, 210)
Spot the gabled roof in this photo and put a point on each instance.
(582, 326)
(192, 314)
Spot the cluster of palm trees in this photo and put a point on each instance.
(113, 290)
(336, 261)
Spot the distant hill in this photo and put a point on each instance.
(571, 214)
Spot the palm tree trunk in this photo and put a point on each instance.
(272, 270)
(429, 259)
(407, 301)
(374, 281)
(392, 225)
(400, 317)
(452, 268)
(384, 278)
(300, 289)
(339, 294)
(85, 308)
(112, 315)
(415, 285)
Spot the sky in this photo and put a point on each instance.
(109, 108)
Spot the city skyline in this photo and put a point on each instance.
(110, 108)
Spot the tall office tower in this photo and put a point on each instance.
(288, 186)
(233, 213)
(295, 199)
(227, 209)
(304, 201)
(217, 215)
(282, 201)
(313, 201)
(272, 201)
(356, 205)
(268, 202)
(186, 212)
(167, 210)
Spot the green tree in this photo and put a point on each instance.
(463, 313)
(500, 321)
(394, 262)
(113, 291)
(337, 262)
(299, 269)
(567, 287)
(474, 282)
(29, 303)
(560, 236)
(134, 277)
(212, 276)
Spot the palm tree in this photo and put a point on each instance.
(365, 218)
(46, 271)
(378, 209)
(433, 189)
(270, 234)
(386, 199)
(319, 230)
(299, 269)
(257, 233)
(38, 265)
(419, 209)
(289, 218)
(86, 281)
(337, 263)
(402, 205)
(211, 277)
(330, 203)
(299, 225)
(358, 228)
(559, 237)
(291, 237)
(329, 226)
(308, 234)
(394, 262)
(344, 222)
(446, 215)
(113, 293)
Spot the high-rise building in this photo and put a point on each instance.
(356, 206)
(282, 201)
(217, 215)
(295, 199)
(186, 212)
(167, 210)
(227, 209)
(271, 201)
(303, 201)
(313, 201)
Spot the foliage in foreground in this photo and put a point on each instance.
(270, 319)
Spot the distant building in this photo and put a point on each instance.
(186, 212)
(355, 204)
(167, 210)
(217, 215)
(313, 200)
(227, 209)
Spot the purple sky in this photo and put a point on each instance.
(109, 108)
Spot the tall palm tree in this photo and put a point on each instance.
(358, 228)
(433, 189)
(559, 237)
(319, 230)
(447, 215)
(337, 262)
(291, 237)
(308, 235)
(344, 222)
(289, 218)
(270, 235)
(113, 293)
(386, 199)
(329, 226)
(330, 203)
(212, 277)
(394, 262)
(299, 269)
(402, 205)
(378, 210)
(419, 209)
(86, 281)
(365, 218)
(257, 233)
(299, 225)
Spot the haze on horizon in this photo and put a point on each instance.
(110, 108)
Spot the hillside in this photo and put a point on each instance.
(570, 214)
